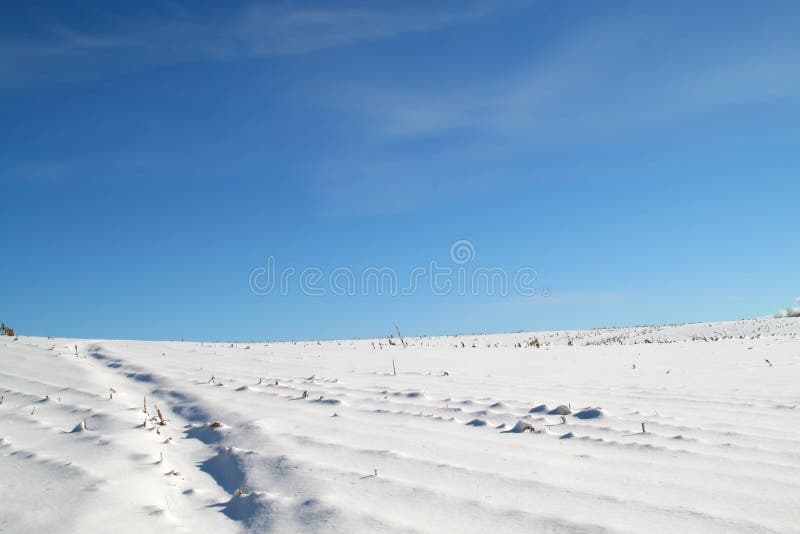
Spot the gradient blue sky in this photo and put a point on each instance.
(642, 156)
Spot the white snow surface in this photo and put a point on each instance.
(484, 437)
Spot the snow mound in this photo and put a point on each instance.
(477, 422)
(226, 468)
(521, 427)
(327, 401)
(590, 413)
(538, 409)
(80, 427)
(208, 433)
(252, 509)
(560, 410)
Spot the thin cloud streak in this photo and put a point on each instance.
(61, 53)
(585, 89)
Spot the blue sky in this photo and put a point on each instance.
(642, 157)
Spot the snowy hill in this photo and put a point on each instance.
(474, 433)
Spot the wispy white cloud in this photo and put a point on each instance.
(583, 84)
(267, 31)
(388, 184)
(587, 86)
(57, 52)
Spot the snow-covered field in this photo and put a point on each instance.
(473, 434)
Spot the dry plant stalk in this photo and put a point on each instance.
(403, 341)
(161, 420)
